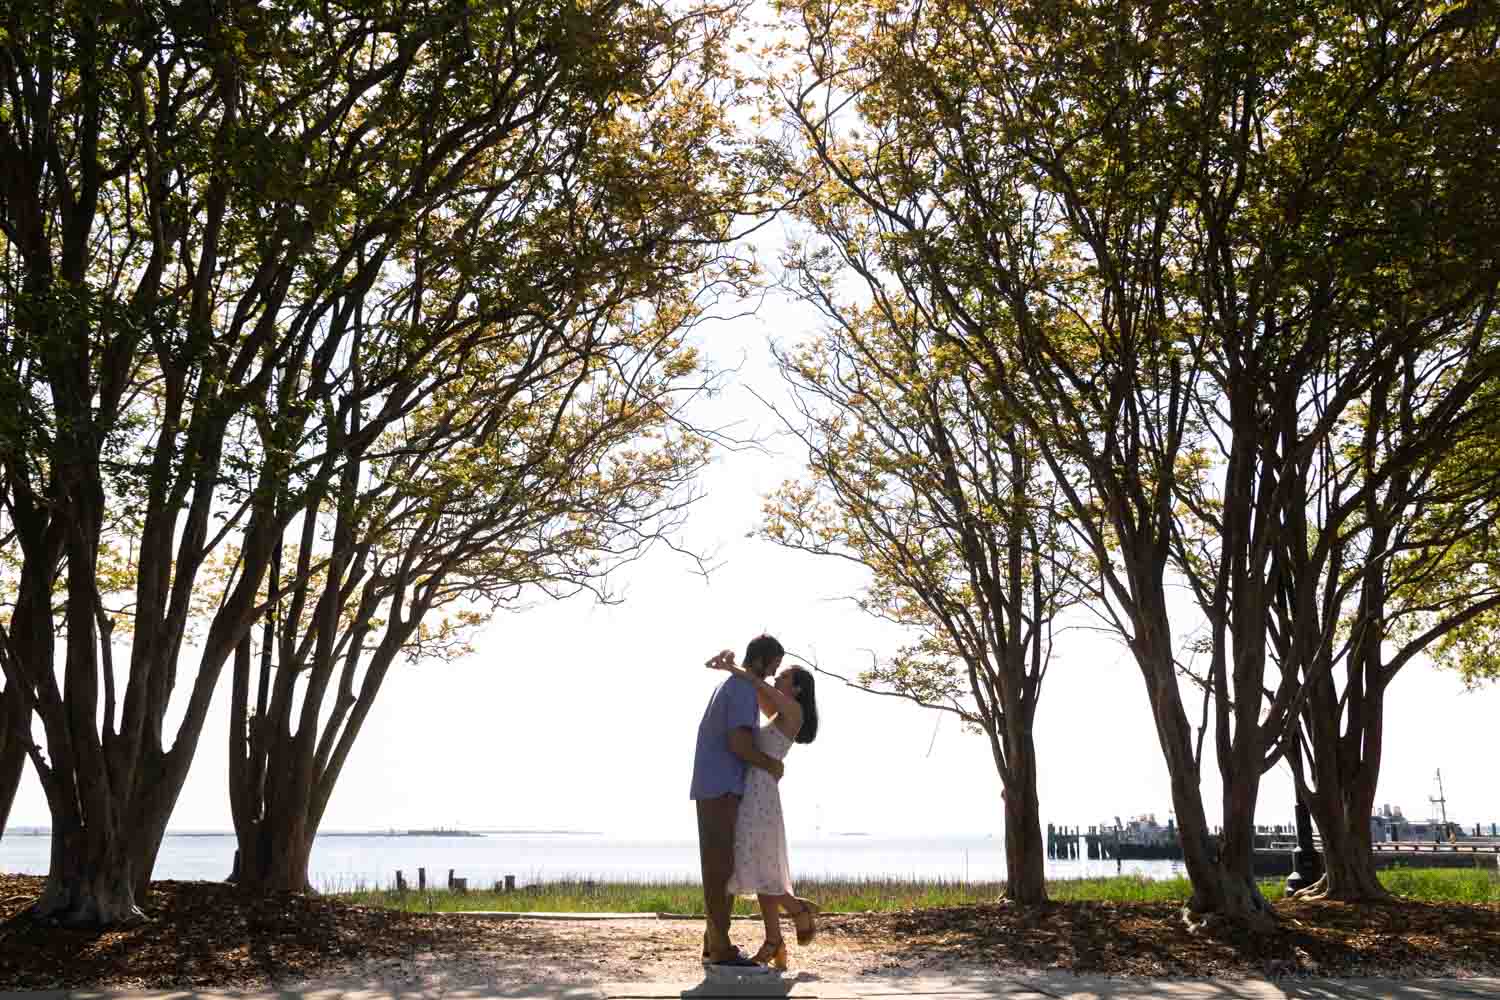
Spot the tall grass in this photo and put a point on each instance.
(1121, 889)
(1444, 885)
(1467, 885)
(674, 896)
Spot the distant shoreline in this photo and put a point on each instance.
(34, 832)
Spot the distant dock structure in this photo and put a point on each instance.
(1396, 841)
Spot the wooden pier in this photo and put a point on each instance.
(1096, 843)
(1062, 843)
(1275, 850)
(1455, 854)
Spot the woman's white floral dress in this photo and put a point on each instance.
(760, 861)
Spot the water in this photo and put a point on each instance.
(343, 862)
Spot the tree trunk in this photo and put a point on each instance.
(1025, 851)
(153, 810)
(1343, 817)
(279, 784)
(15, 738)
(1349, 867)
(275, 850)
(89, 885)
(281, 865)
(1346, 765)
(1223, 881)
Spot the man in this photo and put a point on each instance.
(726, 747)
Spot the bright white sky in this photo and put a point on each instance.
(583, 717)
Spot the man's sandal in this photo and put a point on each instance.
(736, 959)
(738, 964)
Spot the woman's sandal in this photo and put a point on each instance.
(736, 959)
(772, 953)
(803, 920)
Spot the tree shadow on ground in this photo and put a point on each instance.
(202, 934)
(1406, 939)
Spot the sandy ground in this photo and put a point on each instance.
(586, 952)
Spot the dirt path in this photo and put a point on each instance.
(503, 953)
(207, 934)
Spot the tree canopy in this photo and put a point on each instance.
(243, 243)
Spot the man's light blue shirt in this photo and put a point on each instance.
(716, 770)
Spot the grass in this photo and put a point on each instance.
(1444, 885)
(1466, 885)
(674, 896)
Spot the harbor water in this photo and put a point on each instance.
(371, 861)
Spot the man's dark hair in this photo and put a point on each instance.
(807, 698)
(762, 649)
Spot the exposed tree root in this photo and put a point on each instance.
(1322, 889)
(1318, 890)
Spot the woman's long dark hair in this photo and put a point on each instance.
(807, 698)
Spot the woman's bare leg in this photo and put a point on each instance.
(770, 914)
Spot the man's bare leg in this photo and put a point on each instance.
(716, 818)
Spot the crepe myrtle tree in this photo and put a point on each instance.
(1146, 228)
(1411, 576)
(198, 202)
(1360, 397)
(555, 458)
(918, 472)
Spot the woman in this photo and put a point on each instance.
(760, 855)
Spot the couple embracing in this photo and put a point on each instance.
(736, 770)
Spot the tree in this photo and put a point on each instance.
(1038, 237)
(1126, 214)
(1412, 569)
(198, 200)
(524, 479)
(919, 474)
(555, 453)
(1380, 546)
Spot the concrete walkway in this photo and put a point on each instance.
(807, 987)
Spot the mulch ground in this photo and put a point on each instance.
(208, 934)
(1400, 939)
